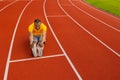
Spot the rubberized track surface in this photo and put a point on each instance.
(82, 42)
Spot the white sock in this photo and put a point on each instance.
(34, 51)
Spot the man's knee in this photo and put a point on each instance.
(34, 43)
(41, 44)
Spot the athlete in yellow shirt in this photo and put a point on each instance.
(37, 37)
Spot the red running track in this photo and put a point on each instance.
(5, 3)
(82, 42)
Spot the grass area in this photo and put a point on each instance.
(112, 6)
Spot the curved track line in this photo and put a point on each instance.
(7, 5)
(87, 30)
(94, 17)
(98, 9)
(12, 41)
(70, 62)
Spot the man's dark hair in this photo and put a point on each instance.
(37, 20)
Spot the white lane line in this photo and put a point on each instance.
(89, 32)
(7, 5)
(94, 17)
(37, 58)
(68, 59)
(85, 3)
(57, 16)
(12, 41)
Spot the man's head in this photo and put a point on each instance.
(37, 23)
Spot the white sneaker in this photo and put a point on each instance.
(34, 51)
(40, 51)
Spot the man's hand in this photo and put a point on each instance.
(41, 44)
(31, 44)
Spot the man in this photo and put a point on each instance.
(37, 31)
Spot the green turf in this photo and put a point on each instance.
(112, 6)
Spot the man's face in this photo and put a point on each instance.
(37, 25)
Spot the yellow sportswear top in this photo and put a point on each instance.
(36, 32)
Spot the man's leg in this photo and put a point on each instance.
(40, 50)
(34, 49)
(39, 47)
(34, 46)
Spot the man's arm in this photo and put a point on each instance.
(43, 37)
(31, 38)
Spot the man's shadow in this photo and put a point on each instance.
(27, 48)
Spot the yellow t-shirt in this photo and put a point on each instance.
(36, 32)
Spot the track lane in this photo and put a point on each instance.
(97, 19)
(106, 72)
(104, 16)
(66, 55)
(12, 41)
(7, 24)
(3, 8)
(89, 57)
(4, 3)
(56, 68)
(110, 38)
(84, 51)
(22, 35)
(22, 44)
